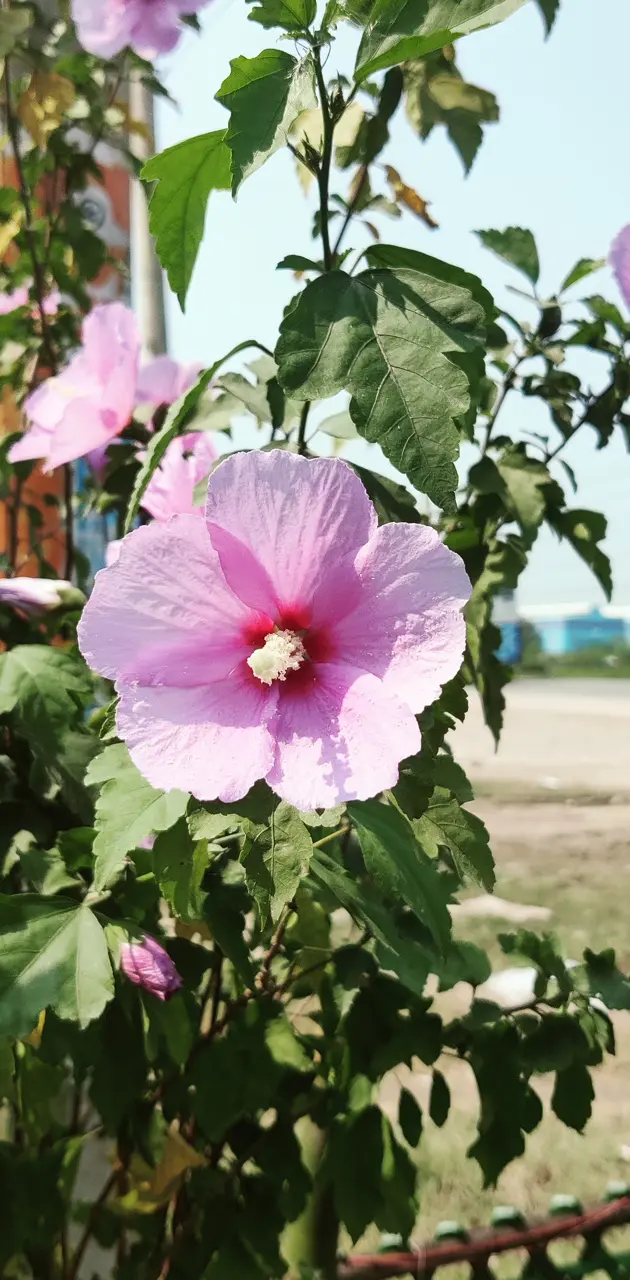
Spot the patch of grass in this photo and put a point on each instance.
(575, 861)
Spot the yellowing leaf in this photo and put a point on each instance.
(35, 1038)
(407, 196)
(9, 230)
(152, 1188)
(44, 104)
(118, 116)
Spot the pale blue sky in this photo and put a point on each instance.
(557, 162)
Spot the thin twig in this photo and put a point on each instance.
(264, 980)
(79, 1254)
(506, 387)
(549, 457)
(362, 177)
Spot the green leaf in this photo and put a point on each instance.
(13, 24)
(47, 872)
(276, 857)
(297, 262)
(584, 266)
(373, 1178)
(340, 426)
(573, 1096)
(515, 245)
(601, 977)
(242, 1072)
(179, 865)
(392, 856)
(440, 1099)
(44, 687)
(293, 15)
(549, 10)
(402, 29)
(392, 501)
(128, 810)
(185, 175)
(436, 94)
(584, 530)
(406, 957)
(447, 825)
(7, 1071)
(509, 1106)
(405, 339)
(53, 954)
(264, 96)
(174, 423)
(409, 1118)
(449, 774)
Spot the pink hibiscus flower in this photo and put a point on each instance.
(20, 298)
(170, 491)
(148, 965)
(92, 399)
(35, 595)
(285, 637)
(620, 261)
(149, 27)
(163, 380)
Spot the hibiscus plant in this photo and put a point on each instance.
(231, 823)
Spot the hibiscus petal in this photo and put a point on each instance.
(171, 490)
(212, 741)
(83, 428)
(340, 739)
(287, 530)
(163, 612)
(163, 380)
(34, 443)
(408, 628)
(620, 259)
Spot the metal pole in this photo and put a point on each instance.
(146, 272)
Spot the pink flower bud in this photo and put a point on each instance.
(38, 595)
(148, 965)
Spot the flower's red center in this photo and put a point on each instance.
(285, 652)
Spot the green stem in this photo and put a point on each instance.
(506, 387)
(302, 428)
(323, 177)
(362, 177)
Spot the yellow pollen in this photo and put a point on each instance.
(282, 651)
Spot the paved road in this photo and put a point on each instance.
(565, 734)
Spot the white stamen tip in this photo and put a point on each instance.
(282, 651)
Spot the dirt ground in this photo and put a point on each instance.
(556, 800)
(558, 735)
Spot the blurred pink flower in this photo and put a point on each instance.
(148, 965)
(149, 27)
(112, 551)
(92, 399)
(620, 260)
(285, 637)
(34, 595)
(163, 380)
(170, 491)
(20, 297)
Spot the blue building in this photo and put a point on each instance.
(571, 628)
